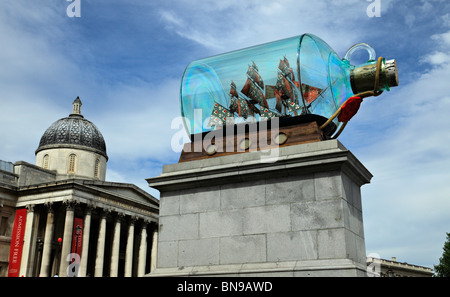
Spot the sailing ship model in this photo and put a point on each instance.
(254, 97)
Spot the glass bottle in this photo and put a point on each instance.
(300, 77)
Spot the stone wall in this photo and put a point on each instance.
(84, 167)
(301, 215)
(29, 174)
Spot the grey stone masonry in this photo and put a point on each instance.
(29, 174)
(297, 214)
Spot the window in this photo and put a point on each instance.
(97, 168)
(72, 161)
(45, 162)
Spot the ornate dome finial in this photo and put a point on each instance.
(77, 106)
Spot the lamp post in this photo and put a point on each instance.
(78, 231)
(40, 244)
(59, 254)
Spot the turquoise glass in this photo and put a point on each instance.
(291, 77)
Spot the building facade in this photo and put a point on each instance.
(60, 217)
(392, 268)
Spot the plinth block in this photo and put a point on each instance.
(297, 213)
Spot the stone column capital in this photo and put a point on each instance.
(89, 208)
(70, 204)
(132, 220)
(49, 206)
(146, 223)
(119, 216)
(104, 212)
(30, 207)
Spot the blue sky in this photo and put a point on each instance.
(125, 60)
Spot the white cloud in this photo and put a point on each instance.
(171, 18)
(34, 76)
(227, 25)
(22, 124)
(410, 19)
(442, 39)
(40, 77)
(137, 123)
(437, 58)
(446, 19)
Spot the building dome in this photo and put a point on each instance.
(73, 131)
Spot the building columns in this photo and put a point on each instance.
(27, 241)
(48, 238)
(57, 259)
(85, 247)
(154, 250)
(99, 258)
(129, 250)
(116, 246)
(142, 251)
(67, 238)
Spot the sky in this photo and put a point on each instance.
(125, 60)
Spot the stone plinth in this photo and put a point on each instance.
(238, 215)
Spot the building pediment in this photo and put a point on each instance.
(130, 191)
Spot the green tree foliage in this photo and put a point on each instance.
(443, 268)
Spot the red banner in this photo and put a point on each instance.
(77, 236)
(15, 249)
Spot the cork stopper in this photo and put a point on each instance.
(362, 78)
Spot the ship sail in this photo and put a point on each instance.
(252, 72)
(285, 89)
(310, 93)
(239, 105)
(254, 92)
(254, 87)
(287, 71)
(220, 116)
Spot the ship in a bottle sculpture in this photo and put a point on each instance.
(299, 81)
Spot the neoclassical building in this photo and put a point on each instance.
(60, 217)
